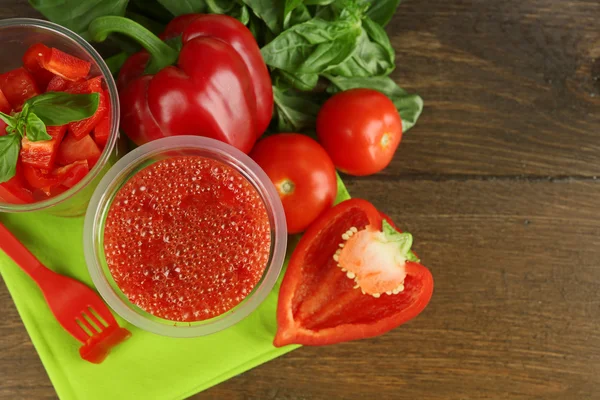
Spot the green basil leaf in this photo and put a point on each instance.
(58, 108)
(303, 82)
(295, 111)
(8, 120)
(382, 11)
(151, 9)
(296, 16)
(9, 154)
(374, 56)
(180, 7)
(314, 46)
(270, 11)
(77, 14)
(409, 106)
(290, 6)
(232, 8)
(36, 129)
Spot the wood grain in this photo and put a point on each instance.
(498, 184)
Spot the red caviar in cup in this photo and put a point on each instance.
(187, 238)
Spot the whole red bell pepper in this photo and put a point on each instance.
(352, 276)
(217, 85)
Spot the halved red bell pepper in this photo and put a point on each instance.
(72, 150)
(42, 153)
(56, 62)
(31, 62)
(350, 277)
(14, 191)
(18, 86)
(82, 128)
(217, 85)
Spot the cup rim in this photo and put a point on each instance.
(115, 114)
(112, 182)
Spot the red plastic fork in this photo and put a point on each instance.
(77, 307)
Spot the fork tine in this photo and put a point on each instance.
(92, 315)
(87, 324)
(103, 312)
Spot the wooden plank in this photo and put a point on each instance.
(510, 87)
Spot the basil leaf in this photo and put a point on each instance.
(151, 9)
(180, 7)
(36, 129)
(8, 120)
(382, 11)
(232, 8)
(295, 111)
(313, 46)
(290, 5)
(9, 154)
(58, 108)
(270, 11)
(297, 16)
(77, 14)
(374, 56)
(409, 106)
(303, 82)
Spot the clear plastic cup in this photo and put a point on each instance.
(126, 168)
(17, 36)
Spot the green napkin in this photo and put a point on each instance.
(146, 366)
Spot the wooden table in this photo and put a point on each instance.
(498, 184)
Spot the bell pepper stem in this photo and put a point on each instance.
(161, 53)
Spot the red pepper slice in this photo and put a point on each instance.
(321, 302)
(38, 179)
(62, 64)
(71, 174)
(42, 154)
(93, 85)
(82, 128)
(18, 86)
(72, 150)
(102, 131)
(58, 84)
(32, 63)
(14, 191)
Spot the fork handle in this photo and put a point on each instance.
(23, 257)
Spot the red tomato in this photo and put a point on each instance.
(71, 174)
(303, 174)
(38, 179)
(361, 130)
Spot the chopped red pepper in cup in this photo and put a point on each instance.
(352, 276)
(44, 152)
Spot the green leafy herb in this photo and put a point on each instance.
(404, 241)
(36, 129)
(374, 56)
(58, 108)
(408, 105)
(314, 46)
(229, 7)
(303, 82)
(48, 109)
(270, 11)
(9, 154)
(382, 11)
(77, 14)
(295, 111)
